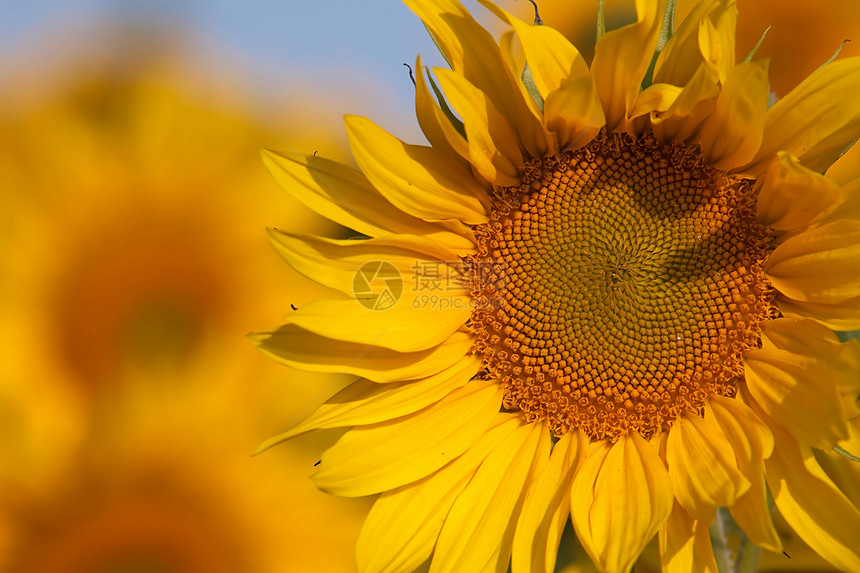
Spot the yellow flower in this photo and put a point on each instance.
(128, 411)
(601, 301)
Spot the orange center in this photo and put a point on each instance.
(618, 285)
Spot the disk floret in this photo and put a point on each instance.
(627, 283)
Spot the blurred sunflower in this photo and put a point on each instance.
(164, 483)
(623, 283)
(130, 270)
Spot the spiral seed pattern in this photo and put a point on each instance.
(618, 286)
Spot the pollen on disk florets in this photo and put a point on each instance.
(618, 285)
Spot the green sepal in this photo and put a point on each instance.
(537, 20)
(757, 45)
(844, 453)
(529, 82)
(455, 121)
(438, 46)
(667, 28)
(601, 20)
(835, 55)
(845, 336)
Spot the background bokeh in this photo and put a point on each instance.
(134, 261)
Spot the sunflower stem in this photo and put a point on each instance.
(733, 551)
(748, 554)
(722, 531)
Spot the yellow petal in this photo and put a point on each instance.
(812, 504)
(824, 154)
(694, 105)
(842, 316)
(541, 140)
(334, 263)
(820, 106)
(472, 52)
(621, 58)
(791, 195)
(818, 265)
(344, 195)
(846, 169)
(849, 200)
(301, 349)
(752, 442)
(698, 57)
(717, 40)
(392, 540)
(817, 341)
(364, 402)
(371, 459)
(749, 437)
(698, 33)
(546, 508)
(423, 181)
(685, 544)
(620, 497)
(657, 98)
(752, 513)
(493, 147)
(479, 529)
(844, 472)
(732, 133)
(552, 59)
(702, 465)
(408, 326)
(434, 123)
(796, 378)
(574, 112)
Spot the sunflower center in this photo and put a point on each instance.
(618, 285)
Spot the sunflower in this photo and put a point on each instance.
(620, 285)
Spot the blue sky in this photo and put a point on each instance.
(340, 49)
